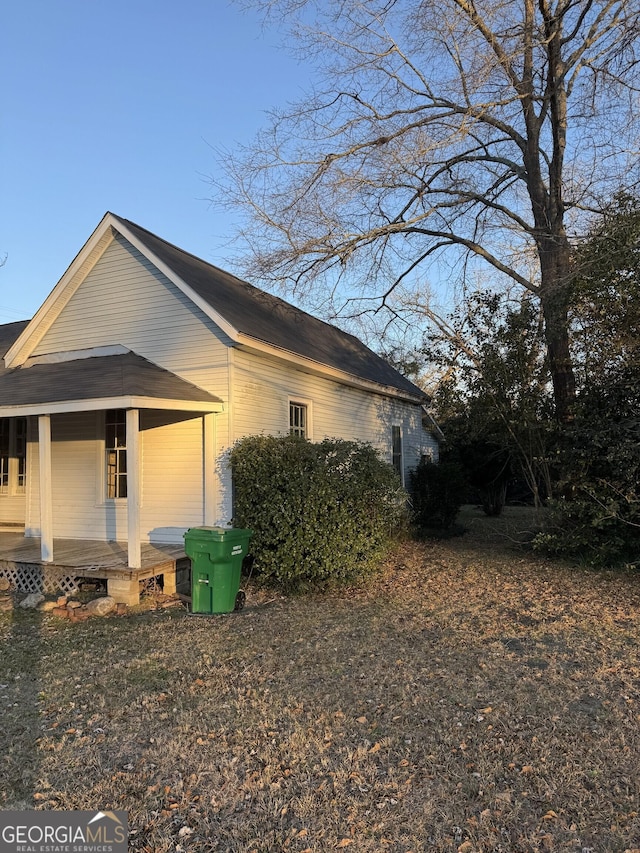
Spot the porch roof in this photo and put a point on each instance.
(113, 381)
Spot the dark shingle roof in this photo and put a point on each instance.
(9, 334)
(93, 378)
(271, 320)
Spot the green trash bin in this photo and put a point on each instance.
(216, 555)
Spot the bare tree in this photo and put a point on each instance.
(483, 128)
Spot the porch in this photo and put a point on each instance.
(22, 564)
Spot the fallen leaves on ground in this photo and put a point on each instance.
(469, 698)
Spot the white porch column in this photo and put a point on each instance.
(46, 489)
(133, 488)
(209, 462)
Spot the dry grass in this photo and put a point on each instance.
(470, 698)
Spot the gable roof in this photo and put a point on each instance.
(250, 316)
(269, 319)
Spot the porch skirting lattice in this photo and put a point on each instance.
(38, 578)
(77, 560)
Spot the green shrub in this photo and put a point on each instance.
(437, 493)
(319, 512)
(597, 520)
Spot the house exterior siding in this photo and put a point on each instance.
(171, 478)
(172, 472)
(124, 299)
(263, 388)
(12, 510)
(118, 296)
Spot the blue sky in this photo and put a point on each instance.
(118, 106)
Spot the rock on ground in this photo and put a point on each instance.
(32, 600)
(101, 606)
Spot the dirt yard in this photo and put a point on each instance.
(472, 697)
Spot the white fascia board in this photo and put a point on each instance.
(98, 404)
(51, 308)
(317, 368)
(202, 304)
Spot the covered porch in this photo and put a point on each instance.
(77, 559)
(96, 505)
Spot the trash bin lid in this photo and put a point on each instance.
(217, 534)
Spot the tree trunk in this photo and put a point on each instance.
(555, 300)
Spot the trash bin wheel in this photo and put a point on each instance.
(240, 600)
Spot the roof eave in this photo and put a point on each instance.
(50, 309)
(246, 342)
(198, 407)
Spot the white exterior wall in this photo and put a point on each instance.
(125, 300)
(12, 510)
(79, 508)
(172, 476)
(263, 388)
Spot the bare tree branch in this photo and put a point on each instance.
(469, 127)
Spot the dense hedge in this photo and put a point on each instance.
(597, 517)
(437, 493)
(319, 512)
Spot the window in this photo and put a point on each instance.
(116, 452)
(21, 455)
(298, 420)
(5, 454)
(396, 450)
(13, 456)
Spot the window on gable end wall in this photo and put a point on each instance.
(300, 418)
(396, 451)
(13, 456)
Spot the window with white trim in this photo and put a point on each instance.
(21, 455)
(396, 450)
(115, 440)
(13, 456)
(298, 419)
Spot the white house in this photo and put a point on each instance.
(121, 397)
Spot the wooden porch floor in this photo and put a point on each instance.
(90, 558)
